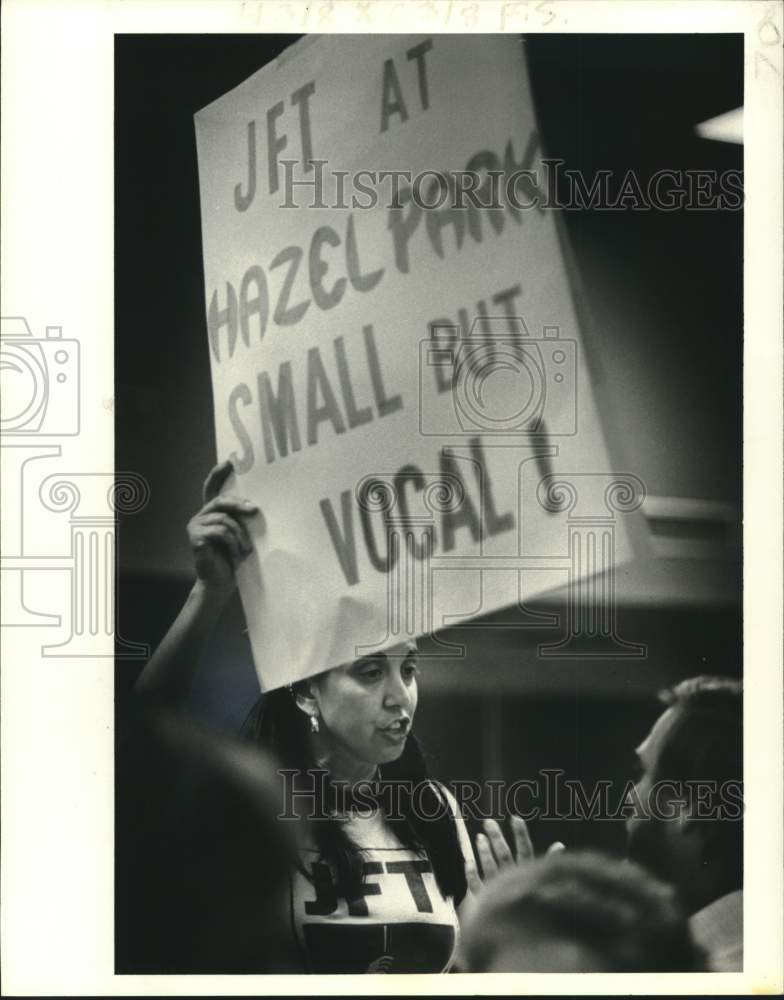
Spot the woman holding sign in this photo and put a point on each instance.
(386, 862)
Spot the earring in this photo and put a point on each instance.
(314, 726)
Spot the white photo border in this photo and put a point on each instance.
(57, 268)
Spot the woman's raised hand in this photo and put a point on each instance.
(220, 540)
(218, 534)
(495, 854)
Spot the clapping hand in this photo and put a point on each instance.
(495, 854)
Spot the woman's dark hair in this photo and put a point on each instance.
(276, 723)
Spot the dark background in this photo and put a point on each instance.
(663, 292)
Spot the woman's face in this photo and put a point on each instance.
(366, 708)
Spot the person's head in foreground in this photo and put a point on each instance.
(687, 826)
(578, 912)
(202, 859)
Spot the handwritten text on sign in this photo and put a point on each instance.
(396, 364)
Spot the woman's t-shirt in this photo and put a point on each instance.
(401, 922)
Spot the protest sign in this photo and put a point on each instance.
(398, 375)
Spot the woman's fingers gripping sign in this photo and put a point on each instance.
(218, 533)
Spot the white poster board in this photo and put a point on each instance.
(401, 388)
